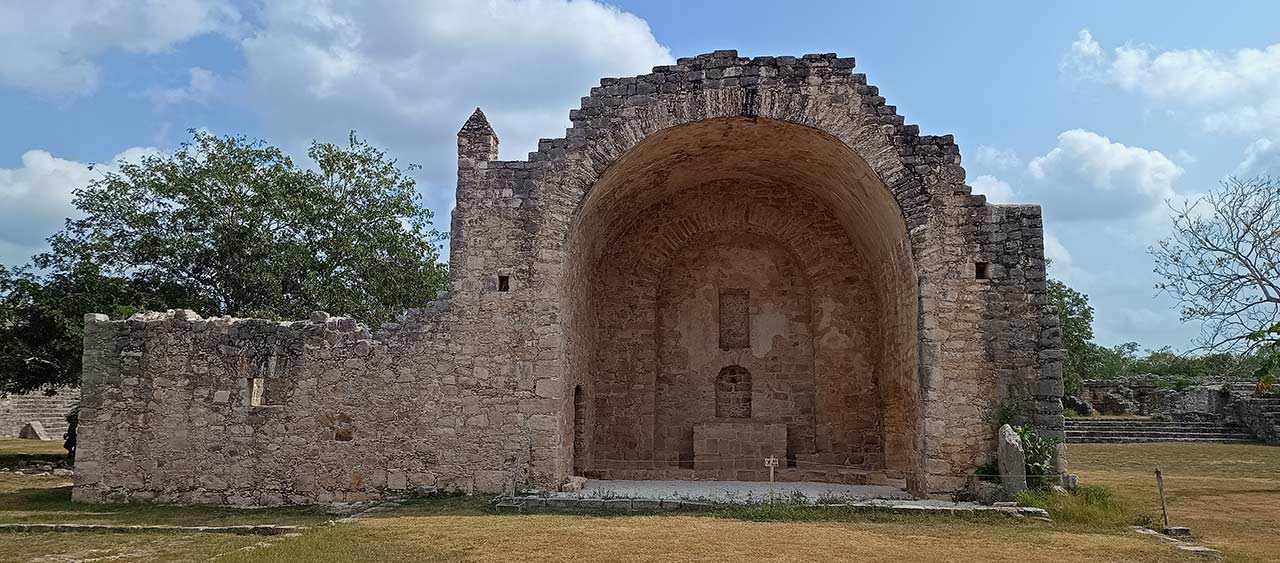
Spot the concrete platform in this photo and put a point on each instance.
(650, 496)
(733, 491)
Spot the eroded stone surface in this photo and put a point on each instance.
(1012, 461)
(879, 310)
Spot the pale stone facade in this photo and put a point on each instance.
(16, 411)
(725, 258)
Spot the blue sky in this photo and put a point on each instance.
(1100, 111)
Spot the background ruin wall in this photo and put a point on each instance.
(37, 406)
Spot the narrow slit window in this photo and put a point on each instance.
(980, 271)
(257, 392)
(504, 283)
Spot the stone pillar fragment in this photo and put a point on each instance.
(1013, 462)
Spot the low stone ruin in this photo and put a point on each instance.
(33, 430)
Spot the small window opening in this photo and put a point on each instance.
(257, 395)
(504, 283)
(980, 271)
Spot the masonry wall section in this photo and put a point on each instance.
(167, 415)
(478, 392)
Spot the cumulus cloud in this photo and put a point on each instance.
(996, 190)
(50, 47)
(201, 85)
(36, 196)
(995, 159)
(408, 76)
(1261, 158)
(1090, 177)
(1230, 91)
(1057, 254)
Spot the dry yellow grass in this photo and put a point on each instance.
(16, 446)
(1228, 494)
(700, 538)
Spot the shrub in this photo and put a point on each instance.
(989, 471)
(1039, 451)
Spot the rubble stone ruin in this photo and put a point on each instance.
(724, 260)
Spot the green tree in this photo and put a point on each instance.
(246, 232)
(1076, 318)
(41, 321)
(224, 225)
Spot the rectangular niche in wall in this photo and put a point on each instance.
(258, 392)
(735, 319)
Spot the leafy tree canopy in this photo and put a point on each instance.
(1076, 319)
(224, 225)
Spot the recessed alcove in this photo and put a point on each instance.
(756, 246)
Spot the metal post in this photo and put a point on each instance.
(1164, 507)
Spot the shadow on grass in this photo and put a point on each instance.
(53, 505)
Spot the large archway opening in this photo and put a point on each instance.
(736, 289)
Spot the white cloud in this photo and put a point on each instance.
(407, 76)
(995, 159)
(201, 85)
(1053, 250)
(996, 190)
(36, 196)
(1261, 158)
(1086, 59)
(1231, 91)
(1090, 177)
(50, 47)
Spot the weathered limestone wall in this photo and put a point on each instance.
(1145, 396)
(168, 412)
(570, 301)
(49, 410)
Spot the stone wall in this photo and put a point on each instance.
(1260, 415)
(50, 410)
(168, 411)
(1145, 396)
(893, 313)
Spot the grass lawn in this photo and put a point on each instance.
(1229, 495)
(14, 452)
(16, 446)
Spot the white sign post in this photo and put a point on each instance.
(771, 462)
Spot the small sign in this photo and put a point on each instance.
(771, 462)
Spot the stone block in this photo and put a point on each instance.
(1012, 461)
(33, 430)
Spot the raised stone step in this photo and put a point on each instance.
(1144, 434)
(1128, 431)
(1166, 428)
(1140, 440)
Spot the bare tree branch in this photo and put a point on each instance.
(1222, 262)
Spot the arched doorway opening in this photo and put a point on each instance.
(753, 243)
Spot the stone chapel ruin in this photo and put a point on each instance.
(724, 260)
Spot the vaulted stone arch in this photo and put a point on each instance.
(805, 204)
